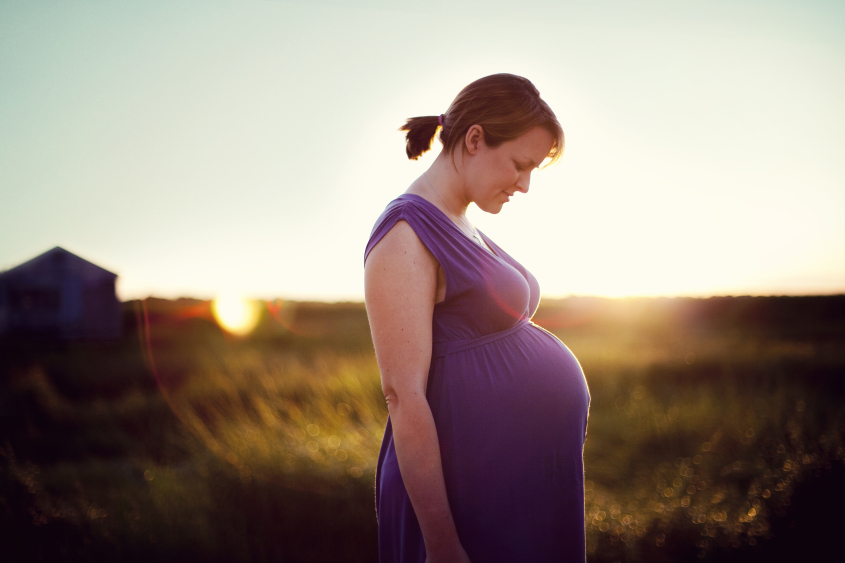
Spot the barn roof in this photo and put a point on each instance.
(59, 263)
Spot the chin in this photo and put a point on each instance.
(492, 207)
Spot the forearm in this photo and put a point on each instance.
(418, 454)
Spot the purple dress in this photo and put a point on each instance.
(510, 405)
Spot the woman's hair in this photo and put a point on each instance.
(504, 105)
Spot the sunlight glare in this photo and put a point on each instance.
(235, 314)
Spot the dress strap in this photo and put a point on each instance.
(425, 219)
(442, 238)
(441, 349)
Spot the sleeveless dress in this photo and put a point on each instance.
(510, 404)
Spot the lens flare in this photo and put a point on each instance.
(235, 314)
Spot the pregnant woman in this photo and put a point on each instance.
(482, 458)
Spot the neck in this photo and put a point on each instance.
(443, 183)
(443, 186)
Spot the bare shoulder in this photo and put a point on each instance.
(400, 247)
(400, 282)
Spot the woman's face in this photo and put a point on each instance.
(493, 174)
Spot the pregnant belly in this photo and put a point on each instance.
(511, 418)
(509, 392)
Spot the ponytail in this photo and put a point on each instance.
(420, 134)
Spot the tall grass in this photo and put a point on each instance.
(193, 445)
(281, 417)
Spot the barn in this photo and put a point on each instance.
(59, 295)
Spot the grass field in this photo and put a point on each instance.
(715, 433)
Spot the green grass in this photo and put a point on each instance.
(708, 420)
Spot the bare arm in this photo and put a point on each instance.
(400, 284)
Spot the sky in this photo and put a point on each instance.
(248, 147)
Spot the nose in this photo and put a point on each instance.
(523, 182)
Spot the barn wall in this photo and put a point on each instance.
(60, 295)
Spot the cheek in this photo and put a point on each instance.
(505, 172)
(509, 175)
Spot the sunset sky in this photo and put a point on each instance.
(247, 147)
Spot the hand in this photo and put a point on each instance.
(454, 554)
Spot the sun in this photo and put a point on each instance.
(235, 314)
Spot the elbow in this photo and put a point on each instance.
(390, 396)
(395, 397)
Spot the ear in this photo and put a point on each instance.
(474, 139)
